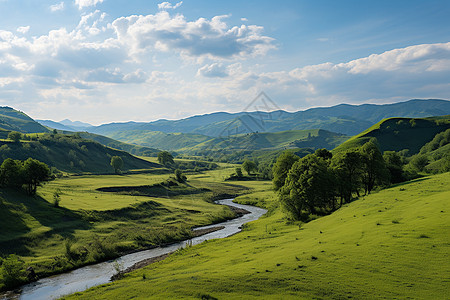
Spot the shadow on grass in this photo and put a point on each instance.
(19, 207)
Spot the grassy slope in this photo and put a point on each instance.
(37, 231)
(71, 154)
(395, 134)
(392, 244)
(11, 119)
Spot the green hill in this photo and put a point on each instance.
(70, 153)
(13, 120)
(133, 149)
(389, 245)
(396, 134)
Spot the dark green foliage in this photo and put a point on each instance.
(179, 176)
(249, 166)
(324, 153)
(165, 158)
(281, 168)
(30, 173)
(347, 167)
(12, 270)
(309, 185)
(15, 136)
(394, 163)
(117, 163)
(373, 166)
(238, 172)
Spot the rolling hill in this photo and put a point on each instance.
(396, 134)
(344, 118)
(70, 153)
(13, 120)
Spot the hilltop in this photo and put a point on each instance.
(13, 120)
(397, 134)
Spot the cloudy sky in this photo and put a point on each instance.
(102, 61)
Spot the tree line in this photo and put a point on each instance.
(26, 174)
(321, 182)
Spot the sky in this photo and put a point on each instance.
(101, 61)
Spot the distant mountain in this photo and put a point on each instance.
(344, 118)
(55, 125)
(76, 125)
(14, 120)
(397, 134)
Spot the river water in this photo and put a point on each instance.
(83, 278)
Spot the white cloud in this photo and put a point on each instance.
(57, 7)
(200, 38)
(168, 5)
(213, 70)
(87, 3)
(23, 29)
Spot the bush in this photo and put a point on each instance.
(12, 270)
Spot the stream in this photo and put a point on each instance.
(86, 277)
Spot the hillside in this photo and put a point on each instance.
(344, 118)
(396, 134)
(389, 245)
(70, 153)
(132, 149)
(14, 120)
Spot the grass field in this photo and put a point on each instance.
(98, 225)
(393, 244)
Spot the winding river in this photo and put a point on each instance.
(83, 278)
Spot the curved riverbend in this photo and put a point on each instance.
(86, 277)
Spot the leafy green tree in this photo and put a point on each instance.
(347, 170)
(281, 168)
(11, 173)
(394, 163)
(15, 136)
(117, 163)
(34, 172)
(12, 270)
(374, 169)
(249, 166)
(419, 162)
(324, 153)
(309, 185)
(239, 172)
(179, 176)
(165, 158)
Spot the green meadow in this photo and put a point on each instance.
(91, 225)
(392, 244)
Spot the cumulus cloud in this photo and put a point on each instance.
(87, 3)
(23, 29)
(213, 70)
(168, 5)
(200, 38)
(57, 7)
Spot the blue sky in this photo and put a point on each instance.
(102, 61)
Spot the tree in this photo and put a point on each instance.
(374, 169)
(165, 158)
(324, 153)
(34, 172)
(347, 170)
(281, 168)
(309, 185)
(11, 173)
(179, 176)
(394, 165)
(239, 172)
(249, 166)
(419, 162)
(116, 163)
(15, 136)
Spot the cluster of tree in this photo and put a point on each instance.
(26, 174)
(319, 182)
(167, 159)
(117, 164)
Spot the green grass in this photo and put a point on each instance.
(389, 245)
(395, 134)
(103, 224)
